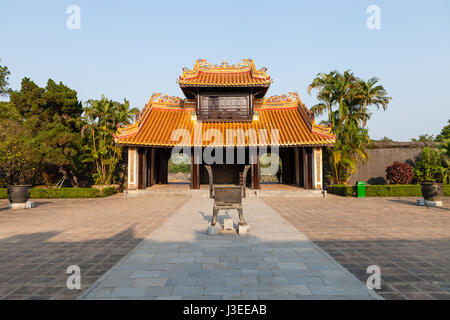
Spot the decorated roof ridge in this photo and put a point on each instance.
(283, 101)
(323, 130)
(156, 100)
(291, 97)
(246, 65)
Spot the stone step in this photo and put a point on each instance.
(204, 193)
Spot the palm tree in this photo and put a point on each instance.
(324, 83)
(102, 117)
(343, 96)
(371, 93)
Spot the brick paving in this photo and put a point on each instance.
(411, 244)
(37, 245)
(180, 261)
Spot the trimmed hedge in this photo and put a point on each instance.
(64, 193)
(397, 190)
(107, 191)
(342, 190)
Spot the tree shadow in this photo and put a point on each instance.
(33, 266)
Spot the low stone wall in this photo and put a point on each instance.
(381, 155)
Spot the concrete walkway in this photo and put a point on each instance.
(180, 261)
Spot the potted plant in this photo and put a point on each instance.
(428, 171)
(19, 193)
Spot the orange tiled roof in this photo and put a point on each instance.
(242, 74)
(282, 120)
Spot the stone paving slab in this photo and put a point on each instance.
(37, 245)
(409, 243)
(274, 261)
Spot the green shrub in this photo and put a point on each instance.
(429, 166)
(342, 190)
(404, 190)
(383, 190)
(108, 191)
(64, 193)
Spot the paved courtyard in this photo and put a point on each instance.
(156, 248)
(180, 261)
(37, 245)
(410, 244)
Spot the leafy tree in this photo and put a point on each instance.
(8, 111)
(323, 83)
(52, 116)
(16, 156)
(102, 118)
(424, 138)
(444, 148)
(346, 99)
(386, 139)
(350, 147)
(4, 77)
(371, 93)
(445, 133)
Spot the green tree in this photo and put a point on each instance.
(4, 77)
(346, 98)
(16, 153)
(386, 139)
(370, 93)
(445, 133)
(424, 138)
(102, 118)
(323, 83)
(444, 148)
(52, 116)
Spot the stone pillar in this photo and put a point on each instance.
(255, 169)
(317, 169)
(152, 167)
(143, 170)
(132, 168)
(195, 171)
(305, 168)
(297, 167)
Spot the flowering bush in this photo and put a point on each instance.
(399, 173)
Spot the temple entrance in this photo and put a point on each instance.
(271, 168)
(228, 167)
(294, 166)
(179, 169)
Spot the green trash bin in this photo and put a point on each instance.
(361, 189)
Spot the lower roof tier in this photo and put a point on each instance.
(279, 121)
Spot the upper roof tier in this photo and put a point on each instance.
(164, 118)
(205, 74)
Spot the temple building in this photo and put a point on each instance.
(225, 116)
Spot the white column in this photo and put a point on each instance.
(317, 169)
(132, 168)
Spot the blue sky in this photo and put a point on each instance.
(133, 48)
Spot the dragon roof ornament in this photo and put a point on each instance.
(244, 66)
